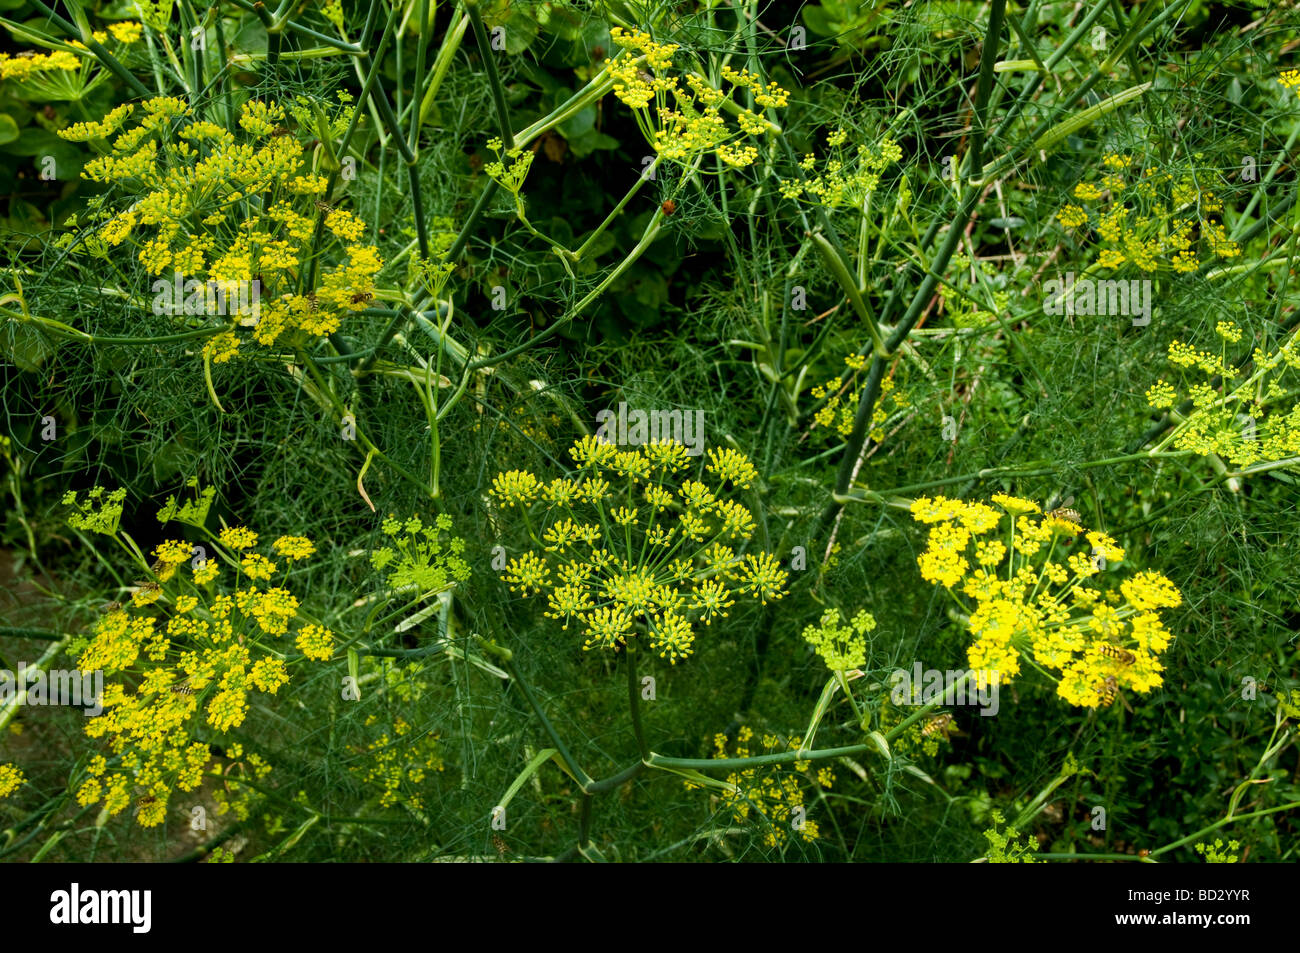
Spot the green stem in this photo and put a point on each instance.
(10, 707)
(487, 55)
(634, 702)
(294, 27)
(1031, 468)
(450, 45)
(653, 760)
(66, 330)
(608, 784)
(1222, 823)
(417, 93)
(557, 742)
(871, 389)
(1072, 856)
(22, 632)
(618, 210)
(839, 270)
(325, 390)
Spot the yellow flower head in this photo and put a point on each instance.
(294, 548)
(316, 642)
(11, 779)
(238, 537)
(1017, 582)
(623, 570)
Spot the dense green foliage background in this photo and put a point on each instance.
(699, 321)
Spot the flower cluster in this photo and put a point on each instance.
(689, 118)
(774, 794)
(1152, 219)
(99, 512)
(1218, 852)
(397, 763)
(1011, 572)
(63, 75)
(233, 795)
(228, 211)
(26, 65)
(841, 397)
(1005, 846)
(843, 181)
(842, 646)
(1237, 420)
(183, 656)
(333, 11)
(630, 544)
(510, 177)
(11, 779)
(193, 512)
(418, 555)
(434, 271)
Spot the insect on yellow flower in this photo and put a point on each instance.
(1021, 589)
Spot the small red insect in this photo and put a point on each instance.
(669, 207)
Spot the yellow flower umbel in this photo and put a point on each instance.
(683, 117)
(841, 647)
(100, 512)
(399, 764)
(1239, 421)
(231, 224)
(1149, 218)
(11, 779)
(181, 660)
(1025, 595)
(841, 395)
(843, 181)
(419, 556)
(511, 178)
(68, 72)
(1005, 846)
(637, 543)
(773, 795)
(1218, 852)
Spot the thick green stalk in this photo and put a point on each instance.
(579, 775)
(871, 389)
(420, 79)
(446, 53)
(294, 27)
(487, 55)
(1223, 822)
(10, 708)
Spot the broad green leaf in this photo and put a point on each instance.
(590, 141)
(819, 21)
